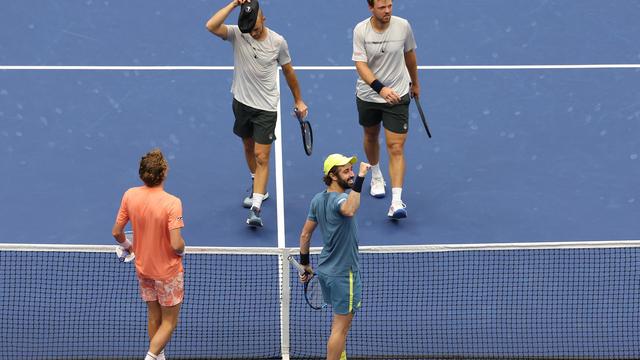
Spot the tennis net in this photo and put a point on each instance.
(523, 301)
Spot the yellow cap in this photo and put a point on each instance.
(337, 160)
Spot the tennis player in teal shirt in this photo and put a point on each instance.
(338, 270)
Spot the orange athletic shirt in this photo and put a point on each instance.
(153, 212)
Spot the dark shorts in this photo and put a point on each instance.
(254, 123)
(342, 292)
(394, 118)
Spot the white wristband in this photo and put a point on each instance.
(126, 244)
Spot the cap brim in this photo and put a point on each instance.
(353, 160)
(349, 160)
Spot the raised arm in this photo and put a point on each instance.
(216, 24)
(351, 205)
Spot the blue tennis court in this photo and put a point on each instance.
(534, 108)
(517, 156)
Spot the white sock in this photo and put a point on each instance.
(151, 356)
(375, 171)
(257, 200)
(161, 356)
(396, 195)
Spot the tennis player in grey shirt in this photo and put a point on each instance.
(385, 58)
(257, 52)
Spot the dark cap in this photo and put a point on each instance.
(248, 16)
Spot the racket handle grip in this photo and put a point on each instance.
(296, 264)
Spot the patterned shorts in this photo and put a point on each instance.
(168, 292)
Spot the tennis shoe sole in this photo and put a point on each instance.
(255, 223)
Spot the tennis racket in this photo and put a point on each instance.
(123, 254)
(424, 119)
(312, 289)
(307, 133)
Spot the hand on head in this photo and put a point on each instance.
(240, 2)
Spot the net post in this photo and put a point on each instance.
(285, 296)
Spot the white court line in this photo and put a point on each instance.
(283, 264)
(491, 67)
(279, 172)
(315, 68)
(115, 68)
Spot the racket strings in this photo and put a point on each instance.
(307, 136)
(314, 293)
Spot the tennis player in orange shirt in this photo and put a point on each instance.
(156, 219)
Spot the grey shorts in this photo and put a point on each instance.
(254, 123)
(394, 118)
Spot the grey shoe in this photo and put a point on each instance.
(254, 219)
(247, 202)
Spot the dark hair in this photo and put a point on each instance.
(371, 2)
(327, 178)
(153, 168)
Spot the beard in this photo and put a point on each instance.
(345, 184)
(384, 19)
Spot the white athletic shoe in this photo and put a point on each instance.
(248, 201)
(397, 211)
(377, 187)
